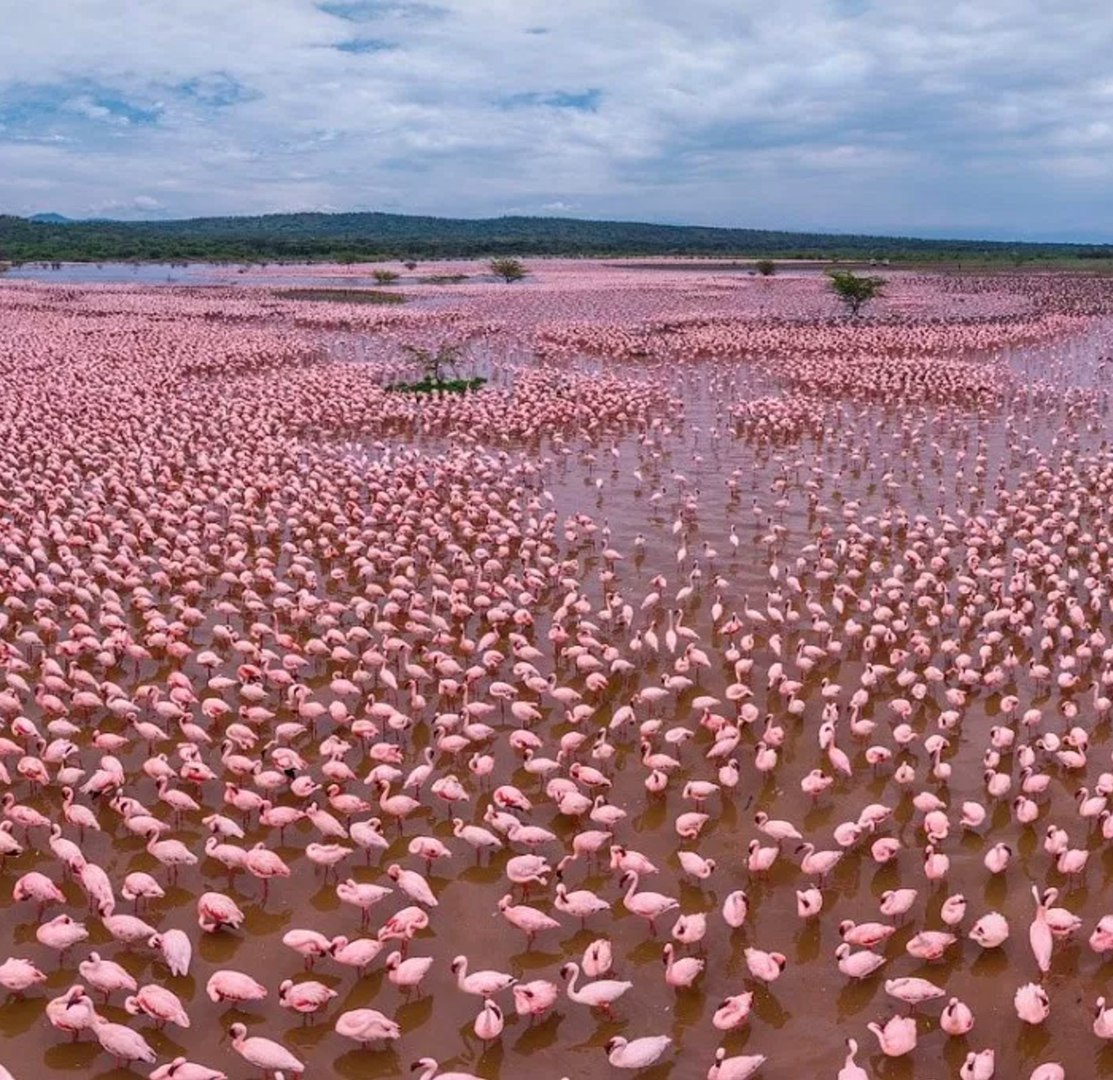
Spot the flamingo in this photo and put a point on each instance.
(600, 994)
(739, 1067)
(265, 1054)
(636, 1053)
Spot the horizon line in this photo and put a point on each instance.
(887, 236)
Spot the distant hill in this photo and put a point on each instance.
(371, 236)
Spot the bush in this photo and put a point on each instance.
(341, 296)
(508, 269)
(442, 279)
(431, 362)
(765, 267)
(438, 386)
(855, 290)
(385, 277)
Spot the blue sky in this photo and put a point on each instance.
(979, 118)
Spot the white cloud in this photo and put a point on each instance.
(806, 113)
(139, 205)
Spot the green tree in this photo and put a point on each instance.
(765, 267)
(508, 269)
(855, 290)
(385, 277)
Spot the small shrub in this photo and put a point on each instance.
(431, 362)
(508, 269)
(854, 290)
(342, 296)
(438, 386)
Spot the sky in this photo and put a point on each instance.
(985, 118)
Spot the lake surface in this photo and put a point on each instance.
(201, 274)
(196, 274)
(667, 496)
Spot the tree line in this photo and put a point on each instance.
(382, 237)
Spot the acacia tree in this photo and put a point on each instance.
(855, 290)
(508, 269)
(432, 363)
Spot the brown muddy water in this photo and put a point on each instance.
(872, 459)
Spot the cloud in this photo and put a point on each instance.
(586, 100)
(987, 118)
(364, 45)
(215, 88)
(110, 109)
(371, 10)
(35, 108)
(144, 205)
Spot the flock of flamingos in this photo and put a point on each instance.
(723, 690)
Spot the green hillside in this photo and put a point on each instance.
(369, 236)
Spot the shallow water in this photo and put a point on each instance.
(196, 274)
(876, 458)
(111, 273)
(122, 273)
